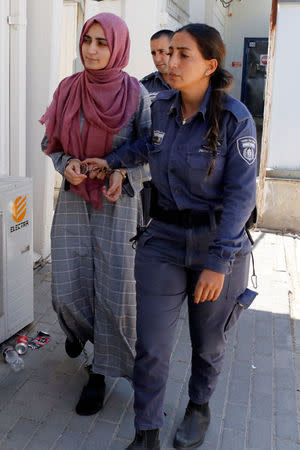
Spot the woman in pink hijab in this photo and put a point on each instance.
(93, 286)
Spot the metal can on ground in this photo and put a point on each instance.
(21, 344)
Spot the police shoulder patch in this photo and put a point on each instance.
(247, 149)
(157, 137)
(152, 95)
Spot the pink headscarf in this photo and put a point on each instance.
(107, 98)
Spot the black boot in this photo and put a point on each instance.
(73, 348)
(145, 439)
(191, 431)
(92, 395)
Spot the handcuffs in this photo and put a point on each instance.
(84, 169)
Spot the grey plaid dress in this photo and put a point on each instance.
(93, 286)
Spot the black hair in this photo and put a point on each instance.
(161, 33)
(211, 46)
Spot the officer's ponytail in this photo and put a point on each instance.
(211, 46)
(221, 81)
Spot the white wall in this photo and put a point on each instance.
(92, 7)
(43, 57)
(140, 30)
(13, 87)
(249, 19)
(68, 39)
(17, 88)
(197, 11)
(143, 18)
(140, 63)
(4, 88)
(284, 143)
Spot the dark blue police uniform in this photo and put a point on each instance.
(171, 256)
(154, 83)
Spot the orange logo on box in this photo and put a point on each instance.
(19, 209)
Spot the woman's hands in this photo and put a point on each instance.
(72, 172)
(115, 180)
(75, 177)
(209, 286)
(115, 186)
(96, 163)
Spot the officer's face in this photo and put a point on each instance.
(159, 51)
(95, 51)
(187, 67)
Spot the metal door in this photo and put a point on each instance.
(254, 74)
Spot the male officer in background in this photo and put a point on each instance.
(158, 81)
(154, 83)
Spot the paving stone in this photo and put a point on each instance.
(245, 330)
(37, 404)
(173, 394)
(179, 370)
(48, 433)
(241, 370)
(70, 440)
(244, 351)
(263, 326)
(101, 435)
(233, 440)
(263, 364)
(286, 426)
(286, 445)
(8, 421)
(260, 434)
(36, 444)
(262, 384)
(38, 407)
(126, 428)
(283, 359)
(182, 353)
(20, 434)
(217, 402)
(284, 379)
(117, 402)
(235, 416)
(264, 346)
(285, 401)
(261, 406)
(282, 331)
(213, 432)
(81, 423)
(118, 444)
(239, 392)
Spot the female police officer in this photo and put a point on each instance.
(202, 158)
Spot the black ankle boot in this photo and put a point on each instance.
(191, 431)
(92, 395)
(145, 439)
(73, 348)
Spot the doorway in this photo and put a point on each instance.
(253, 82)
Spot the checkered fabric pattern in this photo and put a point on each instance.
(93, 286)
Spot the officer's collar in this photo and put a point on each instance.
(161, 78)
(176, 105)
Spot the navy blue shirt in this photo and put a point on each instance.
(154, 83)
(179, 161)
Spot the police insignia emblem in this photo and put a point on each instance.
(152, 95)
(157, 137)
(247, 149)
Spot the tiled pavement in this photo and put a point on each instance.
(256, 403)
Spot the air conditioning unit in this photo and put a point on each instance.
(16, 255)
